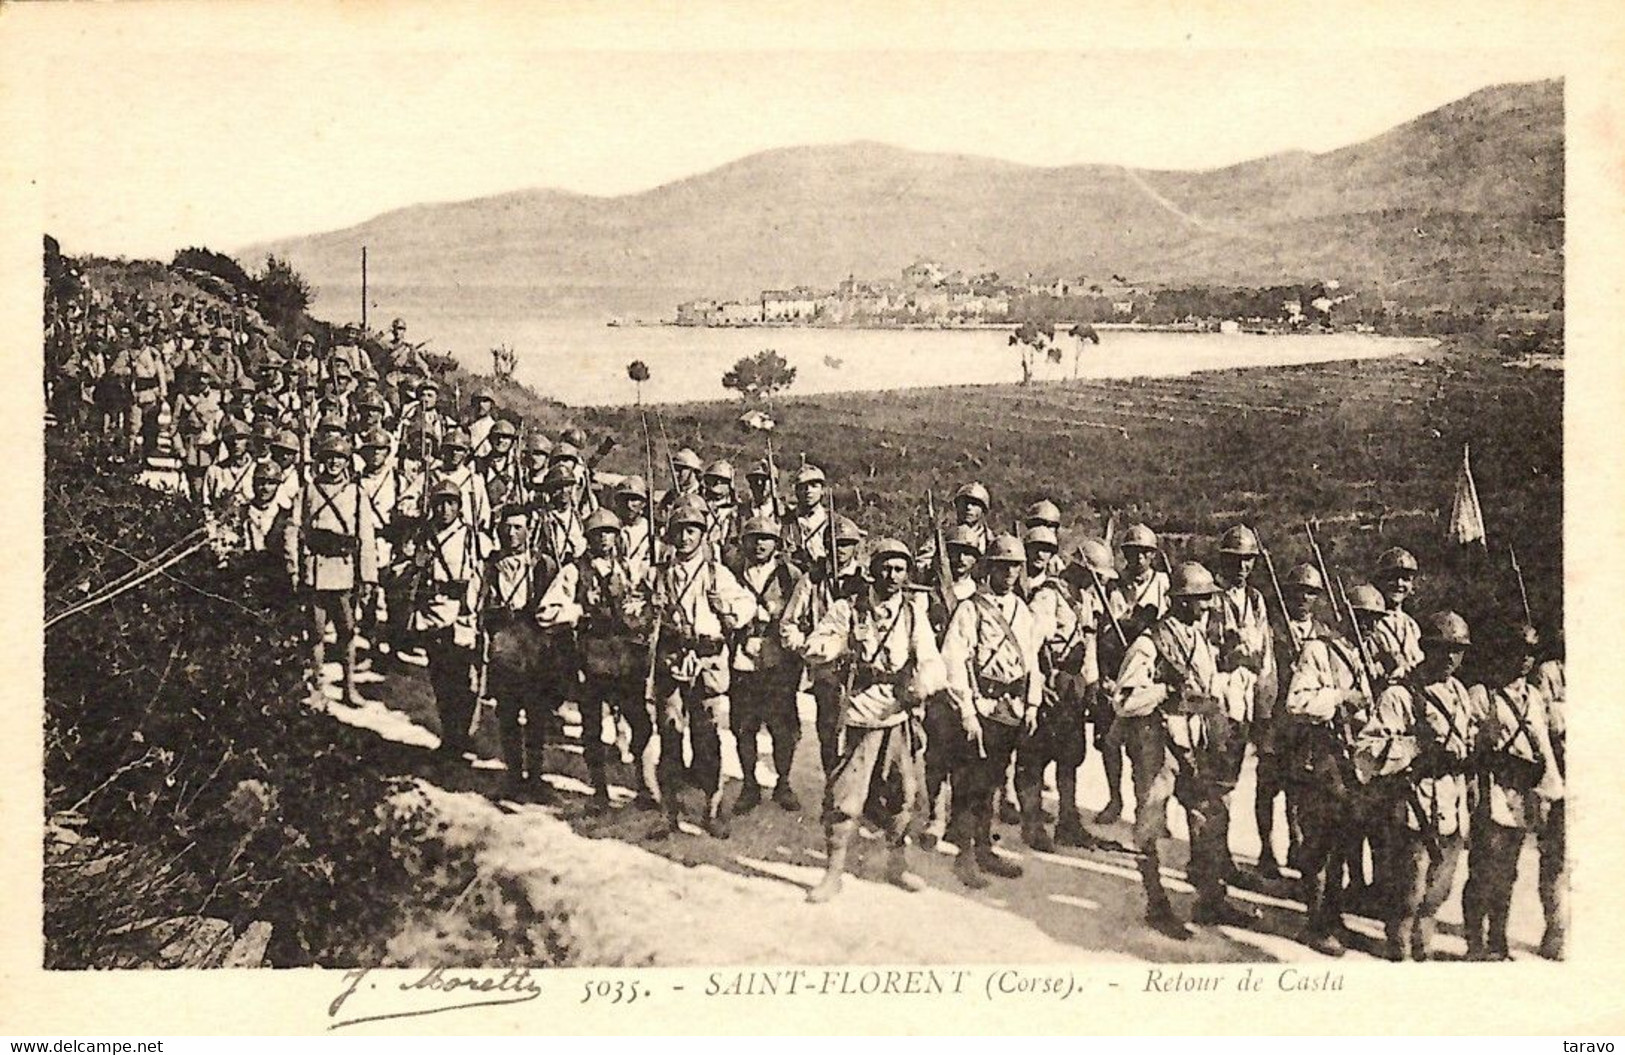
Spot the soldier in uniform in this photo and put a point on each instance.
(456, 467)
(482, 419)
(1327, 700)
(631, 500)
(444, 602)
(717, 487)
(335, 544)
(1418, 740)
(894, 665)
(1517, 780)
(1246, 641)
(1069, 611)
(806, 536)
(1551, 681)
(685, 477)
(557, 530)
(764, 678)
(762, 500)
(424, 419)
(944, 729)
(230, 480)
(608, 606)
(698, 605)
(499, 466)
(990, 654)
(508, 612)
(1139, 600)
(264, 526)
(1397, 642)
(1180, 715)
(814, 592)
(379, 486)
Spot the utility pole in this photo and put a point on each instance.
(363, 289)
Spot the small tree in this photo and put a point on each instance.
(760, 376)
(198, 258)
(638, 371)
(283, 295)
(1032, 339)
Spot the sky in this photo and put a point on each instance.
(241, 131)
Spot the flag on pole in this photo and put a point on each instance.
(1466, 516)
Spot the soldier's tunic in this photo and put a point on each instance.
(990, 653)
(723, 530)
(699, 604)
(1138, 605)
(1323, 718)
(227, 485)
(197, 416)
(1418, 740)
(1551, 680)
(1396, 645)
(765, 677)
(337, 543)
(448, 587)
(476, 503)
(557, 534)
(809, 602)
(635, 545)
(1066, 625)
(1180, 714)
(609, 608)
(479, 434)
(379, 491)
(806, 538)
(893, 663)
(508, 608)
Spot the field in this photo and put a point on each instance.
(1371, 450)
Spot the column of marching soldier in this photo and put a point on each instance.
(515, 570)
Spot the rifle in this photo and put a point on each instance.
(773, 482)
(1523, 594)
(1320, 561)
(1106, 604)
(945, 585)
(649, 514)
(1280, 599)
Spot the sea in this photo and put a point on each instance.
(580, 359)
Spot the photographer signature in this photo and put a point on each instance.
(434, 991)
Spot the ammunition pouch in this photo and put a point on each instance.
(324, 543)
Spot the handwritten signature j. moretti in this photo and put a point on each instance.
(434, 991)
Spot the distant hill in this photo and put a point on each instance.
(1463, 205)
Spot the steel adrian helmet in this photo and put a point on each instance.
(334, 447)
(687, 459)
(721, 469)
(1396, 559)
(455, 440)
(1239, 541)
(1305, 577)
(809, 474)
(633, 487)
(375, 439)
(1040, 535)
(1094, 554)
(761, 527)
(965, 537)
(973, 492)
(445, 491)
(1044, 511)
(690, 511)
(1446, 628)
(1193, 580)
(1007, 549)
(1365, 598)
(847, 530)
(1138, 536)
(601, 519)
(504, 428)
(890, 549)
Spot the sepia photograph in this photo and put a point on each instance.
(877, 511)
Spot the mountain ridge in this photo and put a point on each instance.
(1461, 206)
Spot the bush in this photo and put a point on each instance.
(176, 722)
(197, 258)
(283, 296)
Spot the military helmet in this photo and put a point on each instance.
(721, 469)
(234, 429)
(502, 428)
(455, 439)
(1138, 536)
(444, 490)
(369, 400)
(1007, 549)
(564, 451)
(375, 438)
(601, 519)
(221, 333)
(267, 473)
(1044, 511)
(689, 510)
(574, 436)
(1305, 577)
(538, 444)
(286, 440)
(482, 394)
(760, 471)
(1239, 541)
(1191, 579)
(334, 446)
(847, 530)
(1040, 535)
(1396, 559)
(762, 526)
(428, 384)
(557, 476)
(890, 549)
(264, 429)
(965, 536)
(973, 492)
(1094, 554)
(687, 459)
(809, 474)
(633, 487)
(1446, 628)
(1366, 598)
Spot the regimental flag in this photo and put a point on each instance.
(1466, 516)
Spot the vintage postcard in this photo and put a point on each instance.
(574, 519)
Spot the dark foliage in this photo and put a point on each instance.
(760, 376)
(177, 723)
(197, 258)
(283, 296)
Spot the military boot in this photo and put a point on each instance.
(989, 861)
(897, 873)
(966, 866)
(750, 797)
(1159, 911)
(716, 818)
(837, 841)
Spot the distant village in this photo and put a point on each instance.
(928, 294)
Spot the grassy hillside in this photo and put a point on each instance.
(1462, 205)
